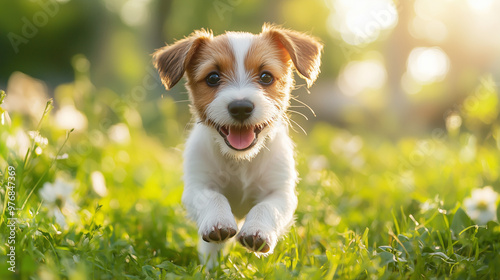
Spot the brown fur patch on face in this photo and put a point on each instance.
(214, 56)
(265, 55)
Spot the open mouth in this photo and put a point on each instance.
(240, 138)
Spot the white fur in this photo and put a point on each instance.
(219, 188)
(240, 43)
(264, 112)
(222, 185)
(242, 88)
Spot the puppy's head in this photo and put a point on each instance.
(239, 83)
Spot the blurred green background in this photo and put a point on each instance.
(394, 67)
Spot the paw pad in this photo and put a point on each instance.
(255, 243)
(219, 234)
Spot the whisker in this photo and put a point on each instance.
(307, 106)
(189, 125)
(300, 86)
(291, 126)
(181, 101)
(264, 145)
(298, 113)
(303, 130)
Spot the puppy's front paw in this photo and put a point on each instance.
(257, 237)
(255, 242)
(219, 233)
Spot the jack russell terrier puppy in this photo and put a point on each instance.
(239, 160)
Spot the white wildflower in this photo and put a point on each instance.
(426, 206)
(5, 118)
(19, 142)
(481, 205)
(39, 139)
(57, 197)
(63, 156)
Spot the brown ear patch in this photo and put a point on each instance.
(266, 55)
(304, 50)
(215, 56)
(171, 61)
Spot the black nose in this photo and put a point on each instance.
(240, 109)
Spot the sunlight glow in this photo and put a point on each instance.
(359, 76)
(361, 21)
(428, 20)
(480, 5)
(431, 9)
(428, 65)
(134, 12)
(433, 30)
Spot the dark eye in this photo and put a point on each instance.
(213, 79)
(266, 78)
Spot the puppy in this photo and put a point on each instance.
(239, 160)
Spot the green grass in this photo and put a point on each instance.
(369, 206)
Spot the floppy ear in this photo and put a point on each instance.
(304, 50)
(172, 60)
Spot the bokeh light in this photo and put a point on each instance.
(134, 12)
(361, 21)
(68, 117)
(359, 76)
(480, 5)
(428, 65)
(432, 30)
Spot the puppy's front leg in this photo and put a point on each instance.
(268, 220)
(212, 212)
(216, 223)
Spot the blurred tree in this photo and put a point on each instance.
(161, 10)
(40, 37)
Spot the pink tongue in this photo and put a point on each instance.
(240, 138)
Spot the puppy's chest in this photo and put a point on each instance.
(242, 186)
